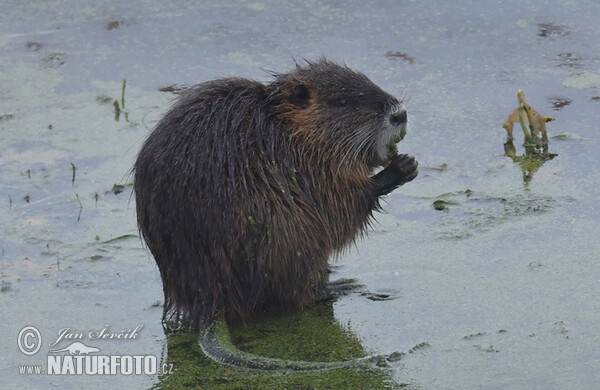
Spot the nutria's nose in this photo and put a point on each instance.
(398, 117)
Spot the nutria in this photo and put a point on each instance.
(244, 190)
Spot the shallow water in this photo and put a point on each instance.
(502, 285)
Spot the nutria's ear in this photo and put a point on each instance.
(300, 95)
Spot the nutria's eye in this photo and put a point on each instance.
(342, 102)
(300, 95)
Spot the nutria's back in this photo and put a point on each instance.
(245, 190)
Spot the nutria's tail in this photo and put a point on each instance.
(216, 344)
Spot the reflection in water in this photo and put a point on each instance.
(535, 156)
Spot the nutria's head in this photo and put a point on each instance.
(339, 112)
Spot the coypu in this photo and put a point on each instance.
(244, 190)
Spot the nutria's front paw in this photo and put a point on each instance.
(401, 170)
(404, 168)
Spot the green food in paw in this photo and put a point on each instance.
(392, 151)
(393, 146)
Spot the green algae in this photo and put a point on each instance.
(309, 335)
(440, 205)
(119, 238)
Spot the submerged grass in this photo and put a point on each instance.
(311, 335)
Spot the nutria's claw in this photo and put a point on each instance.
(401, 170)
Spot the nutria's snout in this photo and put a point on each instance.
(394, 131)
(398, 116)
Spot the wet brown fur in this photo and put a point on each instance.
(244, 190)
